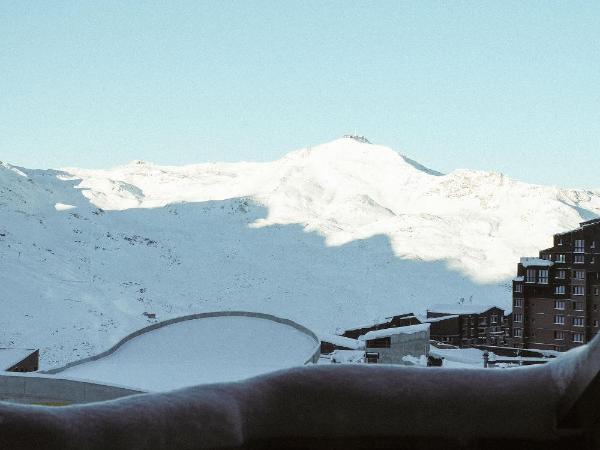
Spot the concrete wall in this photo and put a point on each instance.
(313, 358)
(47, 389)
(414, 344)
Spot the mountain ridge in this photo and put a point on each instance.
(340, 233)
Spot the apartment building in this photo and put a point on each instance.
(467, 325)
(556, 296)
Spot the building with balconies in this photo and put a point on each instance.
(467, 325)
(556, 296)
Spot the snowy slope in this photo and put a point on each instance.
(330, 236)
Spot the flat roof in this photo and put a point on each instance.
(461, 309)
(439, 319)
(341, 341)
(410, 329)
(537, 262)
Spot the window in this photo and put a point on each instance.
(559, 290)
(518, 287)
(559, 320)
(559, 335)
(578, 321)
(595, 323)
(560, 241)
(579, 274)
(483, 321)
(560, 258)
(379, 343)
(530, 276)
(518, 332)
(559, 304)
(561, 274)
(593, 244)
(518, 318)
(595, 307)
(578, 290)
(518, 302)
(578, 259)
(579, 246)
(543, 276)
(494, 318)
(578, 306)
(596, 291)
(577, 337)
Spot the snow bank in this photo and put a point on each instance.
(347, 356)
(63, 207)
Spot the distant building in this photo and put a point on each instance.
(394, 345)
(19, 360)
(358, 138)
(556, 296)
(467, 325)
(446, 329)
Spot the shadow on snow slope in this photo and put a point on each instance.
(77, 280)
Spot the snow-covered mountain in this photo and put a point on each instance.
(331, 236)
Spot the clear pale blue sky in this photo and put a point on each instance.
(505, 86)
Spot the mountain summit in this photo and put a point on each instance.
(480, 223)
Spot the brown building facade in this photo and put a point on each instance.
(468, 325)
(556, 297)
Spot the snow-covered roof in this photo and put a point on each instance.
(410, 329)
(460, 309)
(11, 356)
(342, 341)
(527, 261)
(403, 316)
(347, 356)
(372, 324)
(521, 278)
(439, 319)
